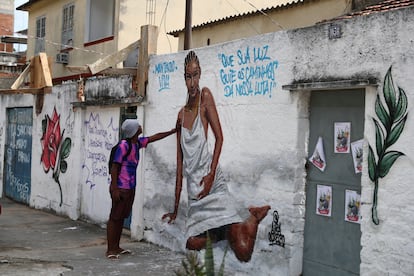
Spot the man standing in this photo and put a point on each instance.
(123, 181)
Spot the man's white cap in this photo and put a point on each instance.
(130, 127)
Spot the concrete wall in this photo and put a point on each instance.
(45, 188)
(80, 191)
(265, 140)
(265, 135)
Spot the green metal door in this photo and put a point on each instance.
(332, 240)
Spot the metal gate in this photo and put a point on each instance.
(332, 242)
(18, 154)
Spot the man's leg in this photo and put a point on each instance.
(114, 228)
(113, 236)
(118, 230)
(127, 200)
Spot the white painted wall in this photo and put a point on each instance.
(45, 190)
(265, 137)
(260, 155)
(101, 133)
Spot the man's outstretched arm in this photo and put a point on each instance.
(161, 135)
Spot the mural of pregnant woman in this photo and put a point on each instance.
(210, 207)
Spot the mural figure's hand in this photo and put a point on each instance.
(115, 194)
(207, 181)
(171, 217)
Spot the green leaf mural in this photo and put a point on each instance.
(388, 128)
(381, 112)
(371, 164)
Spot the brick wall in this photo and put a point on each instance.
(6, 28)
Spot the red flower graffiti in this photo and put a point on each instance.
(54, 149)
(51, 140)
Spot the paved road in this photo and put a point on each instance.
(34, 242)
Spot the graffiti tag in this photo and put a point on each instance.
(163, 71)
(100, 140)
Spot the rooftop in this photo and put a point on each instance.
(383, 6)
(211, 23)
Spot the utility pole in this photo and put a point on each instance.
(188, 15)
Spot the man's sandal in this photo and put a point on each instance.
(113, 256)
(125, 251)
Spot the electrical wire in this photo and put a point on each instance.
(57, 45)
(162, 22)
(164, 18)
(238, 12)
(263, 13)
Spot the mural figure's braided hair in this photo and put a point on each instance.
(191, 56)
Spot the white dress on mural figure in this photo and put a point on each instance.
(217, 208)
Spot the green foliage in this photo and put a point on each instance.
(388, 128)
(192, 265)
(209, 257)
(221, 270)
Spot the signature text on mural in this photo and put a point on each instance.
(163, 71)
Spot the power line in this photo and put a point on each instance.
(152, 15)
(164, 18)
(263, 13)
(151, 4)
(251, 25)
(60, 45)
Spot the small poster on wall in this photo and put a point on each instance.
(352, 206)
(357, 154)
(318, 156)
(324, 200)
(342, 137)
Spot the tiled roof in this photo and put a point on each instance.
(27, 5)
(383, 6)
(288, 4)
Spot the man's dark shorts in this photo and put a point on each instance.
(122, 208)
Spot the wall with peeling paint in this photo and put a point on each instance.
(45, 189)
(266, 130)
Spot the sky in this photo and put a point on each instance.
(20, 17)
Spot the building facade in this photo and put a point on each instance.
(77, 33)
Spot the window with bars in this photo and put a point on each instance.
(67, 26)
(40, 34)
